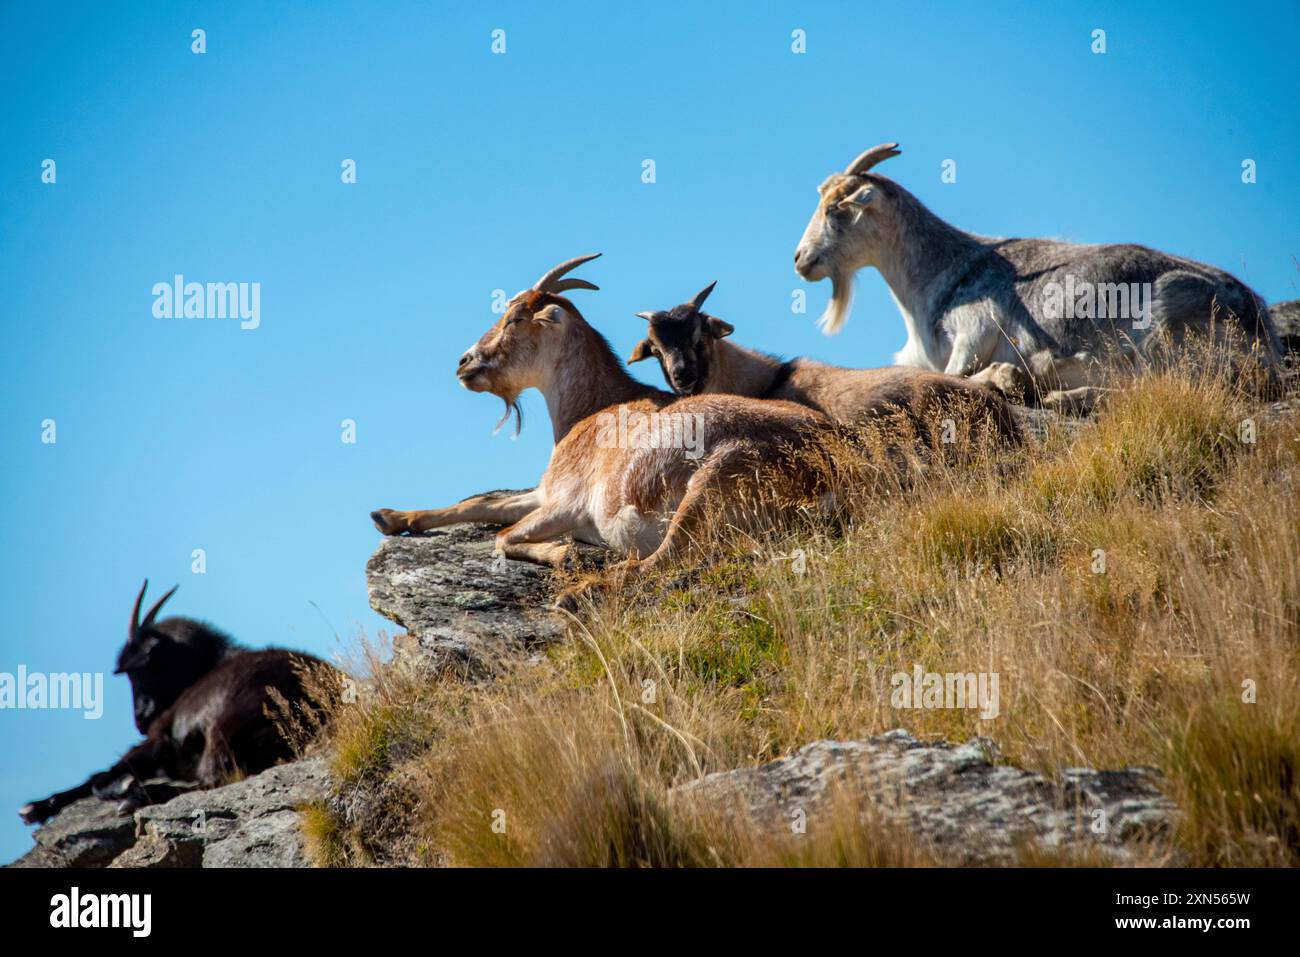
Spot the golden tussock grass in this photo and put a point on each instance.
(1135, 582)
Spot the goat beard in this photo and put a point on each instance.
(512, 405)
(837, 310)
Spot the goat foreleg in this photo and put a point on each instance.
(116, 782)
(534, 538)
(685, 532)
(38, 812)
(148, 773)
(491, 508)
(1068, 384)
(968, 359)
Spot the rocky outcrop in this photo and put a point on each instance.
(955, 799)
(1286, 320)
(462, 606)
(252, 823)
(89, 833)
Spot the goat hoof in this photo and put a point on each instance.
(1008, 379)
(585, 591)
(571, 599)
(386, 521)
(35, 812)
(567, 601)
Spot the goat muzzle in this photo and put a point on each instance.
(683, 384)
(470, 368)
(810, 264)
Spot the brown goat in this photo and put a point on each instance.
(634, 468)
(697, 358)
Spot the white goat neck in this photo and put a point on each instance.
(928, 257)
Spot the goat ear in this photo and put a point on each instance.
(719, 329)
(859, 198)
(549, 315)
(641, 351)
(857, 202)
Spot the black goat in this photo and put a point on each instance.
(205, 707)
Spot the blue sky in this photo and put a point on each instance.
(476, 172)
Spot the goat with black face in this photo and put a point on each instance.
(698, 358)
(202, 703)
(163, 658)
(682, 340)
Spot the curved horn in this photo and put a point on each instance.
(135, 612)
(153, 612)
(547, 282)
(572, 283)
(647, 316)
(702, 295)
(871, 157)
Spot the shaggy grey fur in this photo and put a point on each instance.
(972, 301)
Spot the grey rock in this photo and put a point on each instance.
(1286, 319)
(87, 833)
(956, 799)
(252, 823)
(462, 607)
(1037, 423)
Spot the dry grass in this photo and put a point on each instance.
(1130, 584)
(322, 835)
